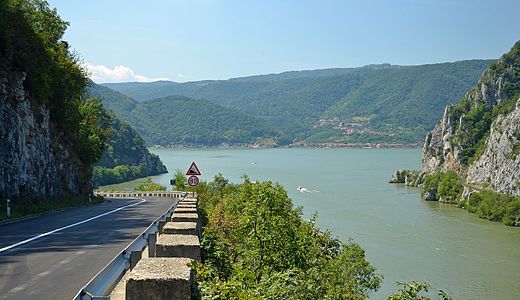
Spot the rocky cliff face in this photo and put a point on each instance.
(496, 164)
(439, 154)
(34, 156)
(499, 166)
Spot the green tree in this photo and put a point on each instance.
(179, 178)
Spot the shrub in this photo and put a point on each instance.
(495, 207)
(256, 245)
(450, 187)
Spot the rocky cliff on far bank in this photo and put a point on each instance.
(479, 137)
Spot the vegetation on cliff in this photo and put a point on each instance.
(257, 245)
(478, 114)
(52, 134)
(445, 186)
(31, 42)
(471, 156)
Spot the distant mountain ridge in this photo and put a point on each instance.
(177, 120)
(388, 103)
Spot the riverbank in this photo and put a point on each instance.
(295, 145)
(448, 187)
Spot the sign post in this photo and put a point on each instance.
(193, 180)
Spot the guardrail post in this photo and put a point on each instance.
(8, 208)
(152, 239)
(135, 256)
(161, 225)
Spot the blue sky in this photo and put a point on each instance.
(127, 40)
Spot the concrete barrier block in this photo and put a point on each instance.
(160, 278)
(189, 228)
(184, 217)
(188, 202)
(177, 245)
(182, 205)
(185, 210)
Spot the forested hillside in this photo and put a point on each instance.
(126, 157)
(385, 102)
(182, 120)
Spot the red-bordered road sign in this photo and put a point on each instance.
(193, 170)
(193, 180)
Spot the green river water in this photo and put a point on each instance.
(405, 237)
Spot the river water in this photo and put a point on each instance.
(405, 237)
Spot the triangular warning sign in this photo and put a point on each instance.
(193, 170)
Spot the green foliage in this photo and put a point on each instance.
(450, 187)
(31, 42)
(411, 290)
(406, 101)
(94, 130)
(256, 245)
(431, 183)
(179, 178)
(121, 173)
(495, 207)
(150, 186)
(446, 186)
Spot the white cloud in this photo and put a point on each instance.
(181, 75)
(102, 74)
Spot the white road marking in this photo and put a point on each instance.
(67, 227)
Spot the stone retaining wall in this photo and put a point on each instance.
(168, 274)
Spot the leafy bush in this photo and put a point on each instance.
(256, 245)
(495, 207)
(431, 183)
(450, 187)
(411, 291)
(446, 186)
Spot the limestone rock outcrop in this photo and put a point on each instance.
(497, 165)
(35, 158)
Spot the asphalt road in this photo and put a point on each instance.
(59, 264)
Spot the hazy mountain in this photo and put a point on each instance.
(399, 101)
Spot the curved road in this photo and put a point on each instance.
(53, 256)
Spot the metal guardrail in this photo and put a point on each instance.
(122, 194)
(106, 280)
